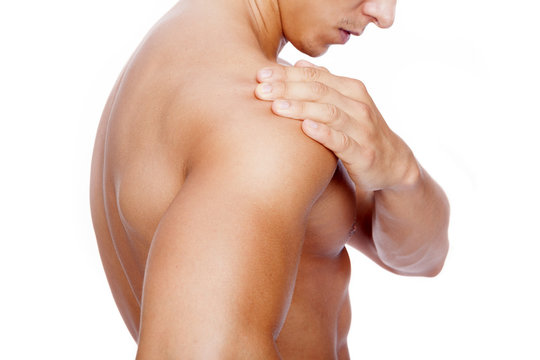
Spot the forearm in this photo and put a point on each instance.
(410, 225)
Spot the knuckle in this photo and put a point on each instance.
(344, 143)
(289, 73)
(283, 89)
(362, 109)
(318, 89)
(310, 73)
(360, 87)
(299, 108)
(369, 131)
(332, 112)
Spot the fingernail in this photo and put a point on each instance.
(266, 88)
(283, 104)
(312, 124)
(265, 73)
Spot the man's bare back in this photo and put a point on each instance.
(163, 103)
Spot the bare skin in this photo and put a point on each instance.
(179, 116)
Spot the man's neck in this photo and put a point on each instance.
(265, 19)
(256, 23)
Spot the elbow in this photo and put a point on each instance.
(419, 270)
(428, 263)
(431, 273)
(435, 262)
(440, 258)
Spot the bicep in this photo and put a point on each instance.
(223, 261)
(217, 265)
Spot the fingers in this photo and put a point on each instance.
(306, 63)
(341, 144)
(294, 90)
(303, 72)
(304, 91)
(325, 113)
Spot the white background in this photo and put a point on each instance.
(458, 80)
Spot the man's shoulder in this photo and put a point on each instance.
(223, 105)
(217, 106)
(239, 120)
(234, 127)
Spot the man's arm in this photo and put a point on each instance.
(403, 213)
(405, 229)
(223, 262)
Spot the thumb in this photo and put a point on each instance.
(304, 63)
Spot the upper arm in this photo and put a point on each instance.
(223, 261)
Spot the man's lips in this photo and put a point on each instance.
(351, 32)
(345, 35)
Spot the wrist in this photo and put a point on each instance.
(410, 177)
(407, 191)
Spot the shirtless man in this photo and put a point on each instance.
(221, 217)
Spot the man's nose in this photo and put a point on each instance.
(382, 12)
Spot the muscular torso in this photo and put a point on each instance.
(158, 109)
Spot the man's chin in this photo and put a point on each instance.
(313, 51)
